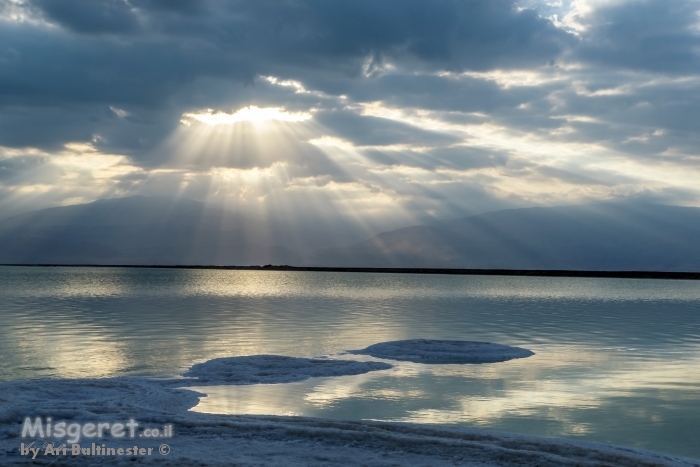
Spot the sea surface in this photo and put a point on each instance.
(616, 360)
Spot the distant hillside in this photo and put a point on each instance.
(167, 231)
(139, 230)
(593, 237)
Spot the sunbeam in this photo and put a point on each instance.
(275, 166)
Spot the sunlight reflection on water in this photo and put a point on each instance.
(616, 360)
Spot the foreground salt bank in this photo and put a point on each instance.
(205, 439)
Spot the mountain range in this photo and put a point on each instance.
(166, 231)
(138, 230)
(627, 236)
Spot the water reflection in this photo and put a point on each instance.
(594, 395)
(616, 360)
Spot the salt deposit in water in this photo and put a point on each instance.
(217, 440)
(256, 369)
(443, 351)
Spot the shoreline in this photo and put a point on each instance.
(203, 439)
(681, 275)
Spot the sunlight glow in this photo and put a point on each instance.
(507, 79)
(251, 113)
(18, 11)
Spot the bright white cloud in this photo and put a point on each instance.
(252, 113)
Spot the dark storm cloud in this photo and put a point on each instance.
(55, 67)
(455, 34)
(656, 35)
(103, 16)
(239, 39)
(46, 127)
(149, 56)
(188, 7)
(430, 91)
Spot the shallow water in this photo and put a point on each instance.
(616, 360)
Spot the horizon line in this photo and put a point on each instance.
(675, 275)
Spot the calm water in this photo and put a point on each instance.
(616, 360)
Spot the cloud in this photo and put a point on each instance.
(140, 52)
(90, 17)
(426, 108)
(13, 170)
(653, 35)
(370, 130)
(31, 178)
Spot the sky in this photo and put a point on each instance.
(382, 112)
